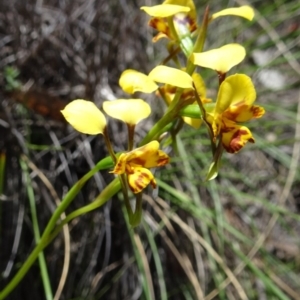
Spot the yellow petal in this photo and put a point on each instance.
(130, 111)
(243, 113)
(195, 123)
(200, 88)
(172, 76)
(245, 11)
(132, 81)
(152, 157)
(120, 166)
(221, 59)
(185, 20)
(235, 90)
(164, 10)
(148, 156)
(199, 85)
(187, 3)
(84, 116)
(235, 137)
(159, 36)
(140, 179)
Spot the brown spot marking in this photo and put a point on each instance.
(171, 89)
(257, 111)
(139, 182)
(117, 169)
(237, 142)
(129, 169)
(163, 161)
(153, 183)
(139, 161)
(226, 128)
(160, 24)
(187, 94)
(239, 107)
(193, 25)
(231, 115)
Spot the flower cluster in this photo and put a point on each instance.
(85, 117)
(181, 88)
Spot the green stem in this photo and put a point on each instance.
(199, 44)
(103, 164)
(172, 55)
(130, 136)
(109, 145)
(124, 187)
(136, 217)
(203, 114)
(109, 191)
(36, 232)
(157, 128)
(23, 270)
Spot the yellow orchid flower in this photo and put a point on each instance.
(136, 164)
(234, 105)
(132, 81)
(184, 13)
(169, 93)
(84, 116)
(175, 77)
(244, 11)
(130, 111)
(164, 10)
(221, 59)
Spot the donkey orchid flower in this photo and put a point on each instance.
(136, 164)
(132, 81)
(173, 76)
(182, 11)
(244, 11)
(234, 105)
(130, 111)
(188, 94)
(85, 117)
(221, 59)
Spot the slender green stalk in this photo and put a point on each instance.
(199, 44)
(130, 128)
(135, 218)
(44, 241)
(36, 232)
(157, 261)
(171, 114)
(109, 191)
(124, 187)
(109, 145)
(139, 259)
(265, 278)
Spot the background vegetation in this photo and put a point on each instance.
(236, 237)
